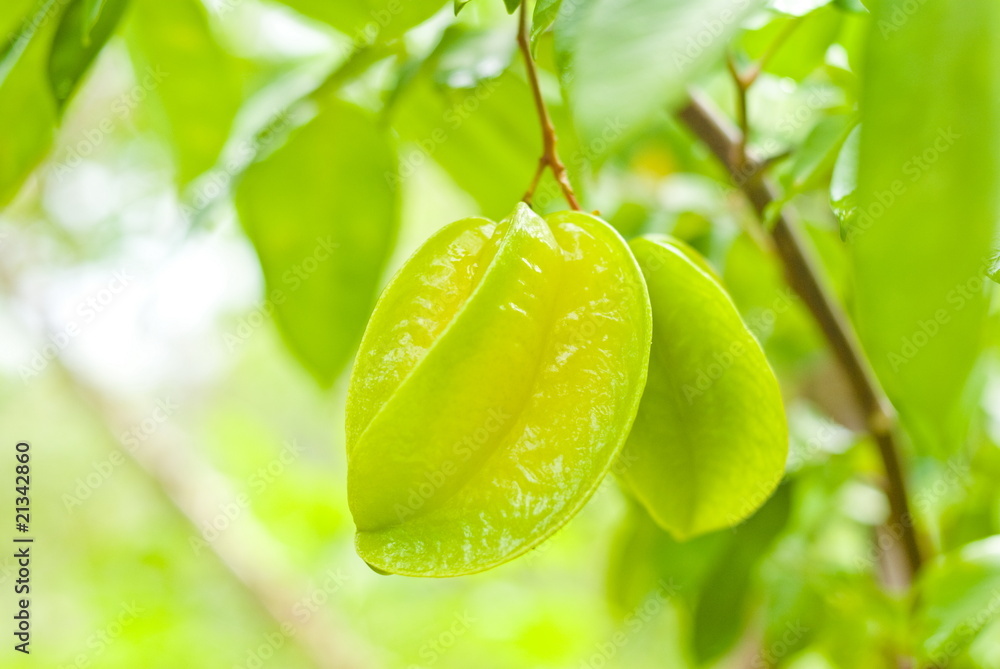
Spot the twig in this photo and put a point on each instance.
(804, 276)
(246, 549)
(550, 156)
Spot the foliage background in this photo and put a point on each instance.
(146, 358)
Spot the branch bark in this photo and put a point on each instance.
(804, 276)
(550, 155)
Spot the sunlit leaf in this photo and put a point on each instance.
(957, 598)
(369, 21)
(323, 219)
(928, 178)
(25, 137)
(625, 61)
(544, 16)
(79, 38)
(844, 183)
(709, 444)
(814, 160)
(197, 83)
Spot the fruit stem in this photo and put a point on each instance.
(550, 156)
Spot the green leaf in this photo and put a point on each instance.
(512, 5)
(546, 12)
(25, 137)
(802, 42)
(927, 184)
(625, 61)
(22, 19)
(644, 556)
(493, 390)
(367, 22)
(197, 83)
(479, 134)
(723, 607)
(853, 6)
(92, 10)
(78, 41)
(323, 219)
(993, 271)
(814, 160)
(709, 444)
(844, 184)
(460, 5)
(957, 597)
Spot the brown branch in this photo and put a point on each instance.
(246, 549)
(550, 156)
(804, 276)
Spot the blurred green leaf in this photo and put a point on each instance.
(369, 21)
(993, 271)
(512, 5)
(814, 160)
(723, 609)
(481, 128)
(24, 137)
(709, 443)
(644, 557)
(957, 597)
(855, 6)
(624, 61)
(928, 178)
(196, 82)
(92, 11)
(19, 18)
(78, 40)
(323, 217)
(844, 184)
(796, 45)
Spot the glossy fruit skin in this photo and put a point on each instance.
(710, 441)
(496, 382)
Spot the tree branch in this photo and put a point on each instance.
(550, 156)
(246, 549)
(804, 277)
